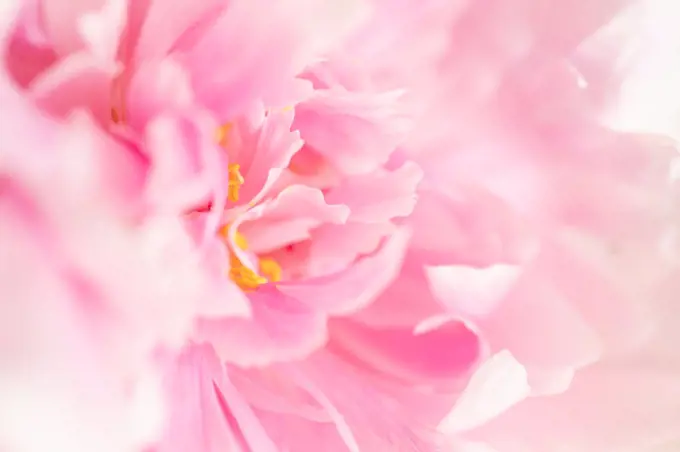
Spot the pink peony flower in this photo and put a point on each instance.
(366, 225)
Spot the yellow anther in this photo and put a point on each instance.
(234, 169)
(270, 268)
(235, 182)
(244, 277)
(239, 239)
(247, 279)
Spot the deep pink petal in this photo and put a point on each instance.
(25, 61)
(77, 81)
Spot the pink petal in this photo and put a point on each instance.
(75, 82)
(24, 62)
(207, 412)
(155, 87)
(344, 431)
(101, 30)
(228, 72)
(499, 383)
(352, 289)
(197, 421)
(289, 218)
(380, 196)
(281, 329)
(597, 291)
(541, 327)
(226, 299)
(94, 25)
(253, 434)
(183, 158)
(355, 131)
(333, 247)
(263, 152)
(405, 303)
(165, 22)
(471, 291)
(10, 13)
(30, 24)
(471, 227)
(600, 411)
(355, 402)
(437, 355)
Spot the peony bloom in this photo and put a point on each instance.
(369, 225)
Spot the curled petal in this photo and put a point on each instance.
(355, 287)
(290, 218)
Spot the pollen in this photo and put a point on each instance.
(234, 169)
(270, 268)
(235, 182)
(244, 277)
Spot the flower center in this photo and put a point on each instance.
(244, 277)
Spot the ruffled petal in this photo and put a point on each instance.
(379, 196)
(290, 218)
(355, 287)
(228, 72)
(355, 131)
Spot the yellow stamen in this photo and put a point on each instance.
(271, 269)
(239, 239)
(235, 182)
(234, 169)
(247, 279)
(244, 277)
